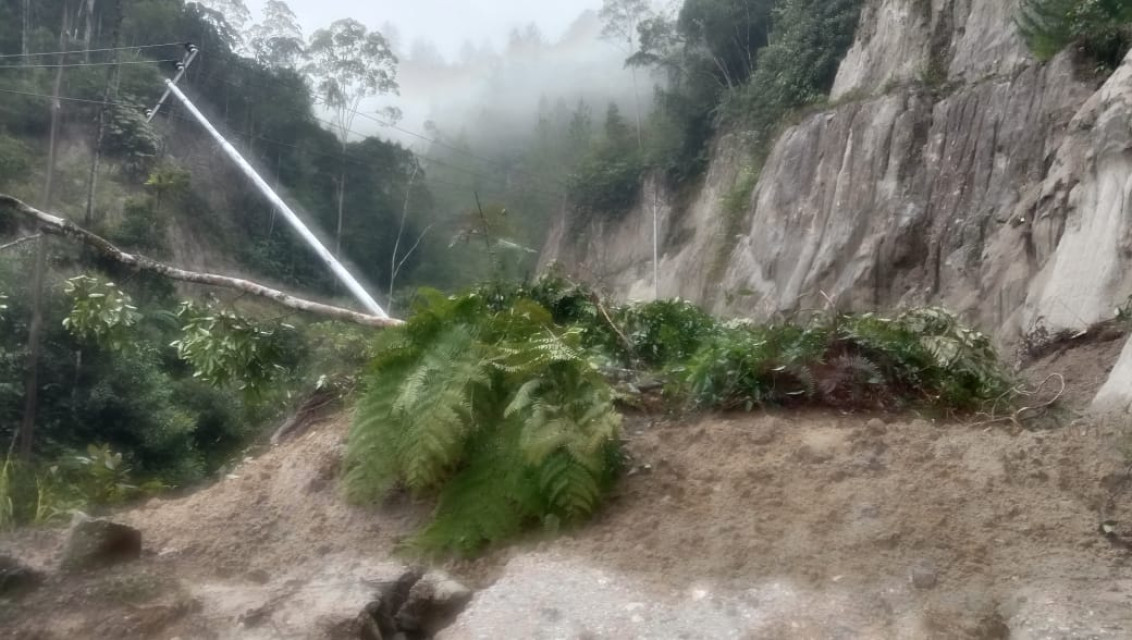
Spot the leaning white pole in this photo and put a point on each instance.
(343, 274)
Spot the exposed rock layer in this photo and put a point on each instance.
(952, 169)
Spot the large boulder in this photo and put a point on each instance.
(16, 576)
(99, 542)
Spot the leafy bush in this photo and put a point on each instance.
(101, 312)
(922, 357)
(494, 411)
(37, 494)
(1102, 29)
(665, 332)
(223, 347)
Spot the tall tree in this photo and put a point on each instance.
(621, 22)
(108, 96)
(35, 328)
(25, 27)
(349, 64)
(229, 18)
(277, 41)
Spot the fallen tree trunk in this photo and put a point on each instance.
(55, 225)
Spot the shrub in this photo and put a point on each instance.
(665, 332)
(224, 348)
(923, 357)
(1102, 29)
(493, 411)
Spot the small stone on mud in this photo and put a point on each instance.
(876, 427)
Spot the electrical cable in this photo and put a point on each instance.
(84, 51)
(81, 64)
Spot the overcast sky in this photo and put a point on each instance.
(448, 23)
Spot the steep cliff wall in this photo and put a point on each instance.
(952, 168)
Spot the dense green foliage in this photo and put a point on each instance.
(496, 412)
(608, 178)
(267, 109)
(798, 65)
(741, 65)
(176, 394)
(1101, 29)
(921, 358)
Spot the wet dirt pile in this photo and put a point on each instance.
(815, 525)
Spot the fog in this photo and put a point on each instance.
(481, 68)
(447, 23)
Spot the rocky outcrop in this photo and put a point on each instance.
(1082, 222)
(945, 175)
(903, 41)
(905, 199)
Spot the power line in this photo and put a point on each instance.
(81, 64)
(85, 51)
(63, 98)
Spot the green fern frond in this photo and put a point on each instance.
(493, 409)
(572, 488)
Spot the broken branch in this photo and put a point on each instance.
(56, 225)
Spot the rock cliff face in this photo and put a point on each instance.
(951, 169)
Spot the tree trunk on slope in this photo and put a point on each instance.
(31, 388)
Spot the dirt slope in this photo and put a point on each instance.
(842, 513)
(802, 525)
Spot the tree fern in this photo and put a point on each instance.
(491, 408)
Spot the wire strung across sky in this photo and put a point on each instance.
(68, 65)
(86, 51)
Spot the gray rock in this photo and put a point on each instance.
(99, 542)
(16, 576)
(433, 603)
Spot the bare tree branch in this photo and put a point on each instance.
(55, 225)
(409, 253)
(18, 241)
(394, 267)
